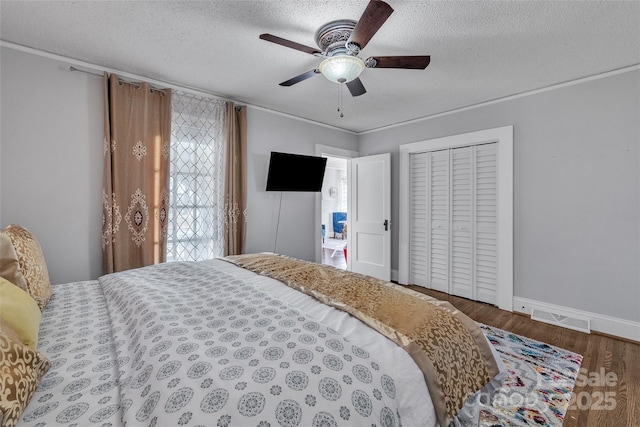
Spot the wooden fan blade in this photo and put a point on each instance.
(356, 87)
(370, 22)
(288, 43)
(301, 77)
(411, 62)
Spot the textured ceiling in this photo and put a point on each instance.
(480, 51)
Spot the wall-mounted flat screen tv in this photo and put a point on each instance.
(295, 172)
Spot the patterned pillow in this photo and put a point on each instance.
(22, 369)
(32, 263)
(9, 264)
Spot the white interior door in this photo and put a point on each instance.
(369, 220)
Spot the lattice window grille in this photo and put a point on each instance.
(195, 230)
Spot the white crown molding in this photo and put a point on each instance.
(508, 98)
(302, 119)
(87, 66)
(198, 91)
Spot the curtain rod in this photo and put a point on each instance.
(176, 86)
(134, 84)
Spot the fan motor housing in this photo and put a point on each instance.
(332, 37)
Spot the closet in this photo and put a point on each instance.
(453, 233)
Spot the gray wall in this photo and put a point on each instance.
(51, 133)
(576, 185)
(577, 181)
(296, 233)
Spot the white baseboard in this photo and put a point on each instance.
(599, 322)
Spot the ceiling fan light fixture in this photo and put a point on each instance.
(342, 68)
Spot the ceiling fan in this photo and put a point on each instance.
(341, 41)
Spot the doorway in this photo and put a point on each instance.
(328, 151)
(334, 212)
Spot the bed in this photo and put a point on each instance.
(221, 343)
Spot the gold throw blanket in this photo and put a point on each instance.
(449, 348)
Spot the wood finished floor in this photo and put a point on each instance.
(614, 355)
(337, 261)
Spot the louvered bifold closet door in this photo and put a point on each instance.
(486, 223)
(462, 245)
(419, 219)
(438, 233)
(454, 220)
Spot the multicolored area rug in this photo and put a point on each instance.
(538, 386)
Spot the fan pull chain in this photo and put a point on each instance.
(340, 109)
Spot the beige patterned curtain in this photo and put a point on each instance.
(137, 129)
(235, 181)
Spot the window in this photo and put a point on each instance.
(195, 230)
(343, 191)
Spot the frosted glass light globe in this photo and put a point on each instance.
(341, 69)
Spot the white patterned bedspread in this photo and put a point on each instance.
(211, 344)
(81, 385)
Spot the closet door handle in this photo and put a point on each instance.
(386, 225)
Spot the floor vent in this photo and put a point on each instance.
(570, 322)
